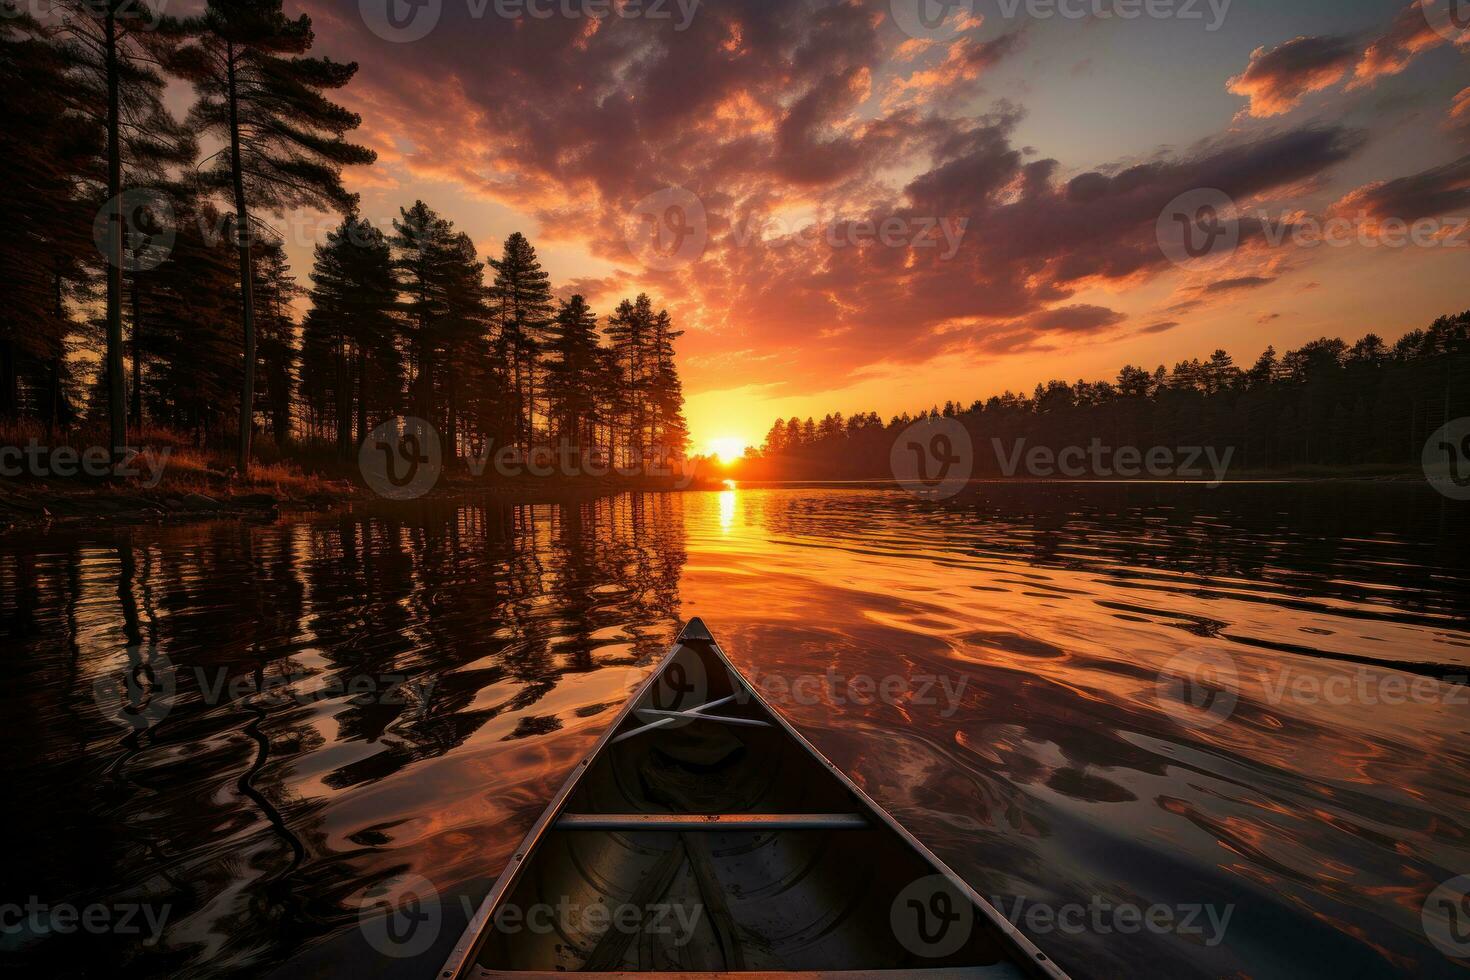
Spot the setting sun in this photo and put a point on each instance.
(728, 448)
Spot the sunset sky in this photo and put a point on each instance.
(1054, 144)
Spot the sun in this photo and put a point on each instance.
(728, 448)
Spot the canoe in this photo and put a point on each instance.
(703, 835)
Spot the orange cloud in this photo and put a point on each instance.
(1458, 121)
(1277, 79)
(1410, 35)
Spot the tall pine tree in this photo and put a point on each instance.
(284, 144)
(573, 373)
(352, 368)
(115, 46)
(521, 294)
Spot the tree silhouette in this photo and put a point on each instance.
(284, 145)
(573, 374)
(47, 249)
(351, 365)
(521, 294)
(114, 46)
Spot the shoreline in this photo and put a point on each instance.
(43, 504)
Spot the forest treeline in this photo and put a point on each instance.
(1325, 405)
(145, 239)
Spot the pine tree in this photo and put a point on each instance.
(114, 47)
(471, 383)
(46, 247)
(421, 245)
(573, 373)
(521, 295)
(276, 362)
(283, 138)
(352, 368)
(671, 432)
(191, 348)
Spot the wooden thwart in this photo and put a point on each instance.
(695, 715)
(711, 821)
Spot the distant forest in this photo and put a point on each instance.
(192, 320)
(1325, 405)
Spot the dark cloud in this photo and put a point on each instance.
(1082, 318)
(1162, 326)
(1239, 282)
(1433, 193)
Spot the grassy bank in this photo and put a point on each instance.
(169, 478)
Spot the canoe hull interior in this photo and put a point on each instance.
(788, 869)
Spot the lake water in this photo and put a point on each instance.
(1240, 712)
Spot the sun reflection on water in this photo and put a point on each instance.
(727, 507)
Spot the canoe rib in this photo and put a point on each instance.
(1019, 959)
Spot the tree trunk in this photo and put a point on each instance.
(115, 405)
(344, 403)
(53, 415)
(137, 392)
(9, 379)
(362, 418)
(247, 275)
